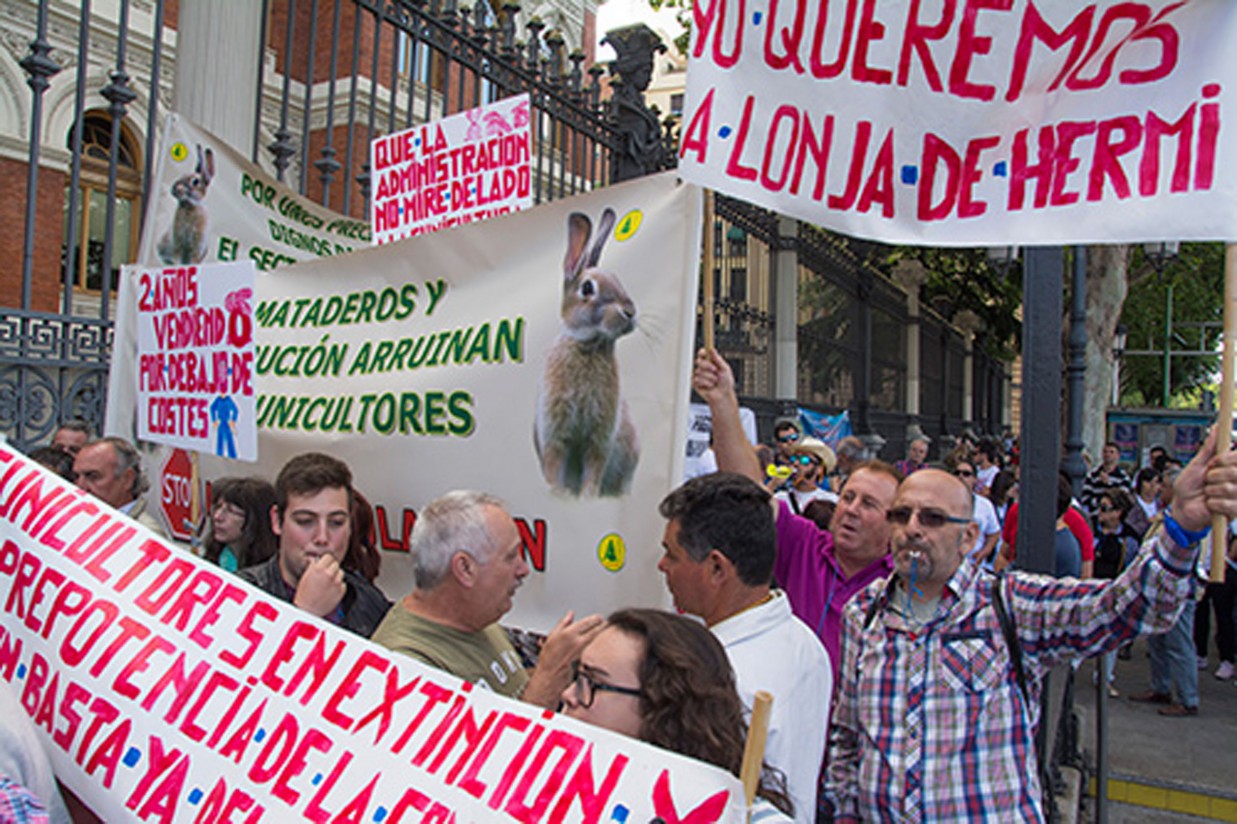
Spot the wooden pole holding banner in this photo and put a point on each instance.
(1224, 438)
(707, 310)
(754, 749)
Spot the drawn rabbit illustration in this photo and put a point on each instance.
(185, 239)
(583, 433)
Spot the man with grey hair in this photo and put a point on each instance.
(71, 436)
(111, 470)
(467, 565)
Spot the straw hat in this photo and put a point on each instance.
(818, 449)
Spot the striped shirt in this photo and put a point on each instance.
(930, 724)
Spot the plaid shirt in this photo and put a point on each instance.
(930, 724)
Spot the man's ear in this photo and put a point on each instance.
(276, 524)
(720, 568)
(464, 567)
(970, 534)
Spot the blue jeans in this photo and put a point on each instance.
(1173, 662)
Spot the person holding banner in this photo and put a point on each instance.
(942, 666)
(111, 470)
(467, 565)
(666, 680)
(312, 517)
(819, 570)
(718, 562)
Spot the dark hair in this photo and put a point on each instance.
(362, 556)
(310, 473)
(688, 701)
(1120, 500)
(1065, 493)
(782, 424)
(1147, 473)
(988, 447)
(254, 496)
(729, 513)
(75, 425)
(1004, 481)
(57, 460)
(820, 512)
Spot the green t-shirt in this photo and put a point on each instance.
(484, 658)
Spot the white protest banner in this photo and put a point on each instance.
(196, 357)
(970, 123)
(469, 166)
(464, 359)
(165, 689)
(208, 198)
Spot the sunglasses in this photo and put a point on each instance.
(804, 460)
(1107, 508)
(791, 438)
(964, 473)
(929, 517)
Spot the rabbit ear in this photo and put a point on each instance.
(603, 234)
(209, 172)
(579, 227)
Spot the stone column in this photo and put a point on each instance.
(910, 275)
(217, 58)
(968, 323)
(786, 313)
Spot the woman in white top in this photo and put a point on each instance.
(1146, 501)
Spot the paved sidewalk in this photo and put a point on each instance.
(1165, 769)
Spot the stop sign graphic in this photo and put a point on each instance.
(176, 494)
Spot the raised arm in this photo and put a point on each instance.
(714, 381)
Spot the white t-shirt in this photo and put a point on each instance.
(772, 650)
(805, 498)
(986, 476)
(984, 515)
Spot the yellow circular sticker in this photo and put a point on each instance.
(179, 151)
(612, 552)
(629, 224)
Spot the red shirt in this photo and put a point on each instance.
(1074, 519)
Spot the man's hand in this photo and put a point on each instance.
(712, 378)
(321, 587)
(561, 649)
(1206, 487)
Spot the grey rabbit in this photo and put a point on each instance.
(583, 433)
(185, 239)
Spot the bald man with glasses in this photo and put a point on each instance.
(942, 664)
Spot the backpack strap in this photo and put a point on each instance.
(1010, 634)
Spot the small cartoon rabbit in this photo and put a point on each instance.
(583, 433)
(185, 239)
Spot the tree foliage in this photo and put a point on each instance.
(1197, 281)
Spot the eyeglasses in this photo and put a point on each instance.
(805, 460)
(790, 438)
(587, 687)
(964, 473)
(929, 518)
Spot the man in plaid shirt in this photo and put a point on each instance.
(930, 722)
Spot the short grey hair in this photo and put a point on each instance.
(452, 523)
(127, 457)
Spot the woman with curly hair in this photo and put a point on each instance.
(240, 533)
(666, 680)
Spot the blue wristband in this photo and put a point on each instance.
(1181, 536)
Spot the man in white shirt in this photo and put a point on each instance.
(719, 545)
(984, 515)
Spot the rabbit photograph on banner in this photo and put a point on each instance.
(583, 434)
(185, 240)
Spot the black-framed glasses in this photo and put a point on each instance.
(805, 460)
(587, 686)
(929, 517)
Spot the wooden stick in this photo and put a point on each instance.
(754, 749)
(707, 310)
(1224, 438)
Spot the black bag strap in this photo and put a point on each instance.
(1011, 635)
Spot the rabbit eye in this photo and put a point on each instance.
(588, 289)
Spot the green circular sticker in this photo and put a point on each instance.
(628, 225)
(612, 552)
(179, 151)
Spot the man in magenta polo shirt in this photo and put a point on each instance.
(818, 570)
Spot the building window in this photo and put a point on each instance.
(738, 284)
(91, 229)
(676, 105)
